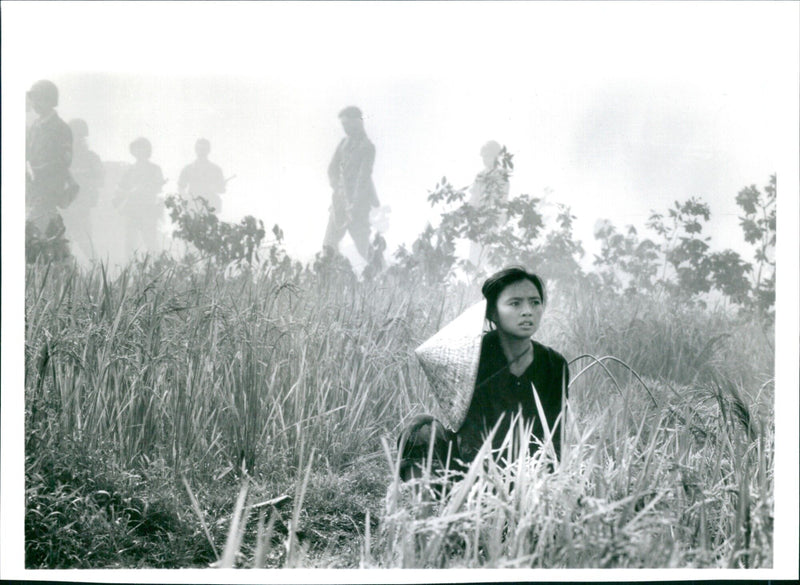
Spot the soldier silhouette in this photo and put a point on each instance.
(88, 171)
(202, 178)
(137, 199)
(48, 154)
(490, 186)
(350, 176)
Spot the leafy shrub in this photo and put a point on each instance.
(47, 246)
(509, 231)
(759, 226)
(226, 242)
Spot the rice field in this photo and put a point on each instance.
(181, 416)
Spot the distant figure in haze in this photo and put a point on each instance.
(30, 114)
(202, 178)
(137, 199)
(48, 154)
(350, 176)
(88, 172)
(490, 186)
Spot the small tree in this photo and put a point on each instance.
(559, 255)
(729, 275)
(695, 268)
(683, 249)
(431, 258)
(508, 231)
(759, 227)
(625, 261)
(225, 242)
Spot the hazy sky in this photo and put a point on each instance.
(617, 109)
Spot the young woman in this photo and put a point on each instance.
(511, 365)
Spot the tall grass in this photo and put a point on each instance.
(664, 337)
(199, 368)
(686, 483)
(186, 376)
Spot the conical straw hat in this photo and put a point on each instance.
(450, 360)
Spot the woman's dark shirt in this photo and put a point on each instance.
(498, 393)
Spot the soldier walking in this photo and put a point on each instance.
(88, 172)
(350, 176)
(137, 199)
(202, 178)
(48, 154)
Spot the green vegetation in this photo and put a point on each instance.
(182, 413)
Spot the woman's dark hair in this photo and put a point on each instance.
(497, 282)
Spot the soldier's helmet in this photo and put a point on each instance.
(202, 147)
(352, 120)
(351, 112)
(491, 149)
(44, 92)
(79, 127)
(141, 147)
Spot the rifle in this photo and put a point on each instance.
(125, 194)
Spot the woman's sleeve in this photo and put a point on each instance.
(470, 434)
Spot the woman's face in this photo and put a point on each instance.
(519, 309)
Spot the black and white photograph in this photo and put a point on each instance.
(335, 289)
